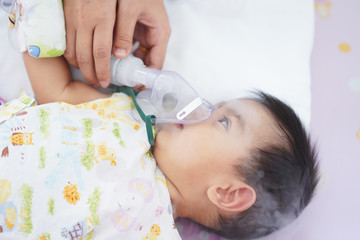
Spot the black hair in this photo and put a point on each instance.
(283, 174)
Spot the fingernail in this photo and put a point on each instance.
(104, 84)
(120, 52)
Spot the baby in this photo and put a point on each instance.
(81, 171)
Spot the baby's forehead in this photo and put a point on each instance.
(234, 100)
(239, 104)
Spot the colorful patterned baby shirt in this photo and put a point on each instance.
(80, 172)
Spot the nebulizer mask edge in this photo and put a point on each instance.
(168, 98)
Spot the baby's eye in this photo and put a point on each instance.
(224, 122)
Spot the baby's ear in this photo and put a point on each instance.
(232, 198)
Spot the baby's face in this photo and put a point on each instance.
(194, 156)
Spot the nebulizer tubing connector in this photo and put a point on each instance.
(168, 96)
(131, 71)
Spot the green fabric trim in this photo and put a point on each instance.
(148, 119)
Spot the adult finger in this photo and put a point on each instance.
(157, 53)
(70, 54)
(102, 52)
(153, 31)
(84, 55)
(155, 39)
(156, 56)
(124, 29)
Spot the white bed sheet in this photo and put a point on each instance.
(223, 48)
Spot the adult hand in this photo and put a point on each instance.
(92, 34)
(144, 21)
(89, 31)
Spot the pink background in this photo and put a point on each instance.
(335, 213)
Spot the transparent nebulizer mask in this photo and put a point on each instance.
(167, 96)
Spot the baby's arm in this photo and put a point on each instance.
(51, 81)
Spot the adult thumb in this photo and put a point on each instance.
(124, 32)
